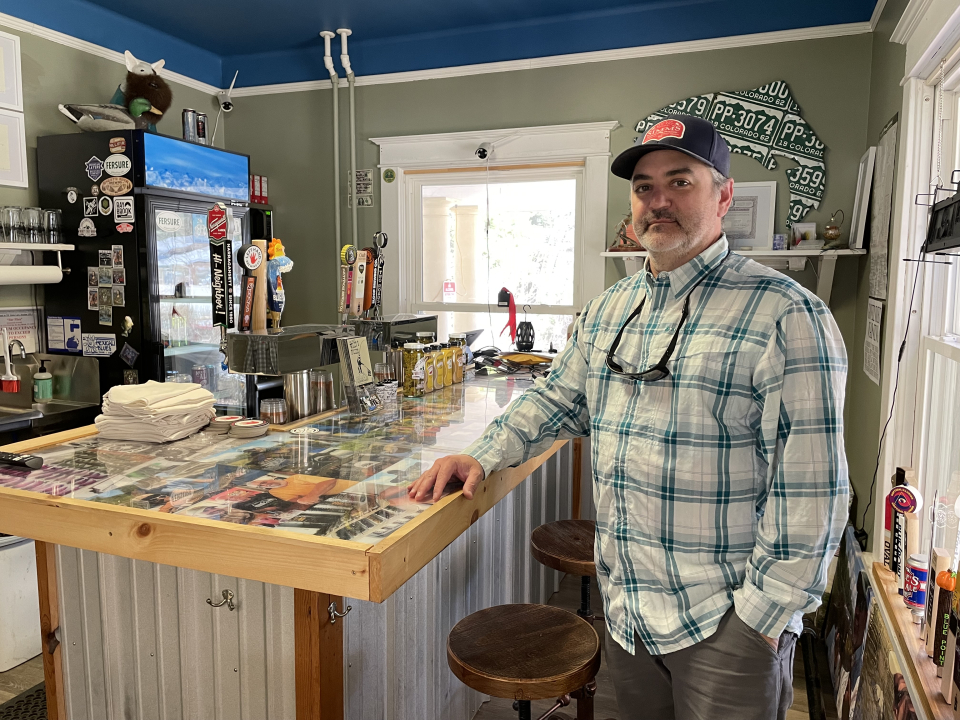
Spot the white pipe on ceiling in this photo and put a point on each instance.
(335, 79)
(344, 33)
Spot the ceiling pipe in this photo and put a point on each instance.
(344, 33)
(335, 80)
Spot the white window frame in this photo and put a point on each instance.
(586, 144)
(931, 32)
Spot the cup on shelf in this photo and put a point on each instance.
(321, 391)
(10, 221)
(32, 222)
(53, 226)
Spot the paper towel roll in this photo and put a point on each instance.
(29, 274)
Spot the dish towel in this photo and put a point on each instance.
(155, 412)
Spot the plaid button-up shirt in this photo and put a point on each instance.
(724, 483)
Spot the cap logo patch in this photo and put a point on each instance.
(665, 129)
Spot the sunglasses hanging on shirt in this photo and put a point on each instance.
(660, 370)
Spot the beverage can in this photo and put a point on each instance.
(202, 129)
(189, 118)
(200, 375)
(915, 582)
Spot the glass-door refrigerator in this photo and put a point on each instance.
(139, 279)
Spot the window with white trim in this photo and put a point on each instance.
(532, 217)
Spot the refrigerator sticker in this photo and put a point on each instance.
(106, 258)
(106, 205)
(130, 377)
(168, 221)
(94, 167)
(87, 228)
(92, 299)
(71, 195)
(117, 165)
(89, 207)
(106, 314)
(119, 297)
(119, 276)
(55, 333)
(124, 228)
(117, 254)
(95, 191)
(93, 275)
(71, 334)
(123, 209)
(99, 344)
(115, 186)
(105, 296)
(129, 355)
(118, 144)
(104, 276)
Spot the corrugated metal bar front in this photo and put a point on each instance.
(395, 652)
(140, 641)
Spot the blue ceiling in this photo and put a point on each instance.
(276, 41)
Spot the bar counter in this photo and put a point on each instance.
(138, 543)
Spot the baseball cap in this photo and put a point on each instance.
(694, 136)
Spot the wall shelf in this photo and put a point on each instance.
(826, 262)
(11, 251)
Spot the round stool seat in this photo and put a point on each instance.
(524, 652)
(565, 545)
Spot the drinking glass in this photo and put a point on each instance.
(32, 223)
(10, 221)
(53, 225)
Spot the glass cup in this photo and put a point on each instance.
(53, 225)
(32, 222)
(10, 222)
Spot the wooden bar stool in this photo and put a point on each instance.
(567, 546)
(526, 652)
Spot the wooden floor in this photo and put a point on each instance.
(23, 677)
(605, 702)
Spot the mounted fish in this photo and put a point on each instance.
(138, 103)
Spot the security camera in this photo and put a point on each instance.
(484, 151)
(226, 104)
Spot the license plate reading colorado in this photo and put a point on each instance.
(746, 120)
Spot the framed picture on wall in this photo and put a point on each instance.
(861, 201)
(13, 149)
(11, 89)
(749, 221)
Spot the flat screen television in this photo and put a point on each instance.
(178, 165)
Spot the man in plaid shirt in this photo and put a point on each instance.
(712, 389)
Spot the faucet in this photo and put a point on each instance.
(9, 382)
(23, 350)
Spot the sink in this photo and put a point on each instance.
(13, 418)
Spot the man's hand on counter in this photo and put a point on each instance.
(464, 468)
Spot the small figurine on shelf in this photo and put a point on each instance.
(138, 103)
(277, 263)
(831, 231)
(626, 237)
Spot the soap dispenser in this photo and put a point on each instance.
(42, 385)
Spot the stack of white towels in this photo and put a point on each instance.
(155, 412)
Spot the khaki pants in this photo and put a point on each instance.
(732, 674)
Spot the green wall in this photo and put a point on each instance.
(288, 136)
(53, 74)
(863, 409)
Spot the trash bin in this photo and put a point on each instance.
(20, 618)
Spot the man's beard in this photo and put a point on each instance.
(690, 231)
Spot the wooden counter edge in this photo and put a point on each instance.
(38, 443)
(325, 565)
(400, 556)
(919, 668)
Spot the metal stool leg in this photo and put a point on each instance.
(584, 698)
(585, 610)
(523, 709)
